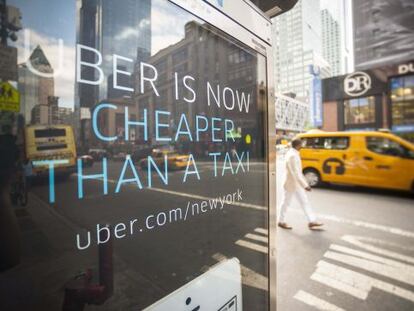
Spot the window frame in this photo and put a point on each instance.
(405, 150)
(323, 138)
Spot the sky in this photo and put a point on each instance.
(45, 22)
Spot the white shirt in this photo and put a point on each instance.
(294, 176)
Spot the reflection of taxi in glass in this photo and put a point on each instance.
(55, 143)
(175, 160)
(374, 159)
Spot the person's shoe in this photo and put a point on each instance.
(315, 225)
(284, 225)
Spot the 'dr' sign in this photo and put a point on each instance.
(357, 83)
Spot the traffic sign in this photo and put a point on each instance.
(9, 97)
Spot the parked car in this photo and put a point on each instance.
(175, 160)
(87, 160)
(142, 153)
(98, 154)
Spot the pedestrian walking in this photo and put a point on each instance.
(295, 186)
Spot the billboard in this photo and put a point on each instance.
(315, 97)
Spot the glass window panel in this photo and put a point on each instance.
(140, 170)
(359, 110)
(385, 146)
(402, 100)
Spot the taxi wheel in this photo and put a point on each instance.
(312, 177)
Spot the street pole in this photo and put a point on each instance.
(3, 29)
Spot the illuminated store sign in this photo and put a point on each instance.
(406, 68)
(357, 83)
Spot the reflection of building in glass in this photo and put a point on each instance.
(126, 31)
(383, 32)
(52, 113)
(40, 114)
(119, 27)
(386, 102)
(39, 105)
(112, 121)
(33, 88)
(88, 35)
(204, 55)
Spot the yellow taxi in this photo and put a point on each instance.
(175, 160)
(373, 159)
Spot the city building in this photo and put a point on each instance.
(337, 47)
(383, 32)
(65, 116)
(195, 55)
(127, 29)
(372, 99)
(298, 45)
(331, 42)
(40, 114)
(292, 116)
(34, 89)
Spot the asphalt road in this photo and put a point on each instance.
(362, 260)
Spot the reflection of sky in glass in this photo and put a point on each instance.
(163, 35)
(51, 18)
(47, 22)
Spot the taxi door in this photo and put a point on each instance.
(337, 151)
(389, 164)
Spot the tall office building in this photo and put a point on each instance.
(297, 38)
(119, 27)
(331, 42)
(337, 35)
(383, 32)
(33, 88)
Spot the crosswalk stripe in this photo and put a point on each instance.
(256, 237)
(316, 302)
(363, 224)
(355, 283)
(362, 243)
(253, 246)
(375, 258)
(262, 231)
(392, 230)
(249, 277)
(399, 274)
(328, 276)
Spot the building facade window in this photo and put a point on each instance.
(359, 111)
(329, 143)
(402, 101)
